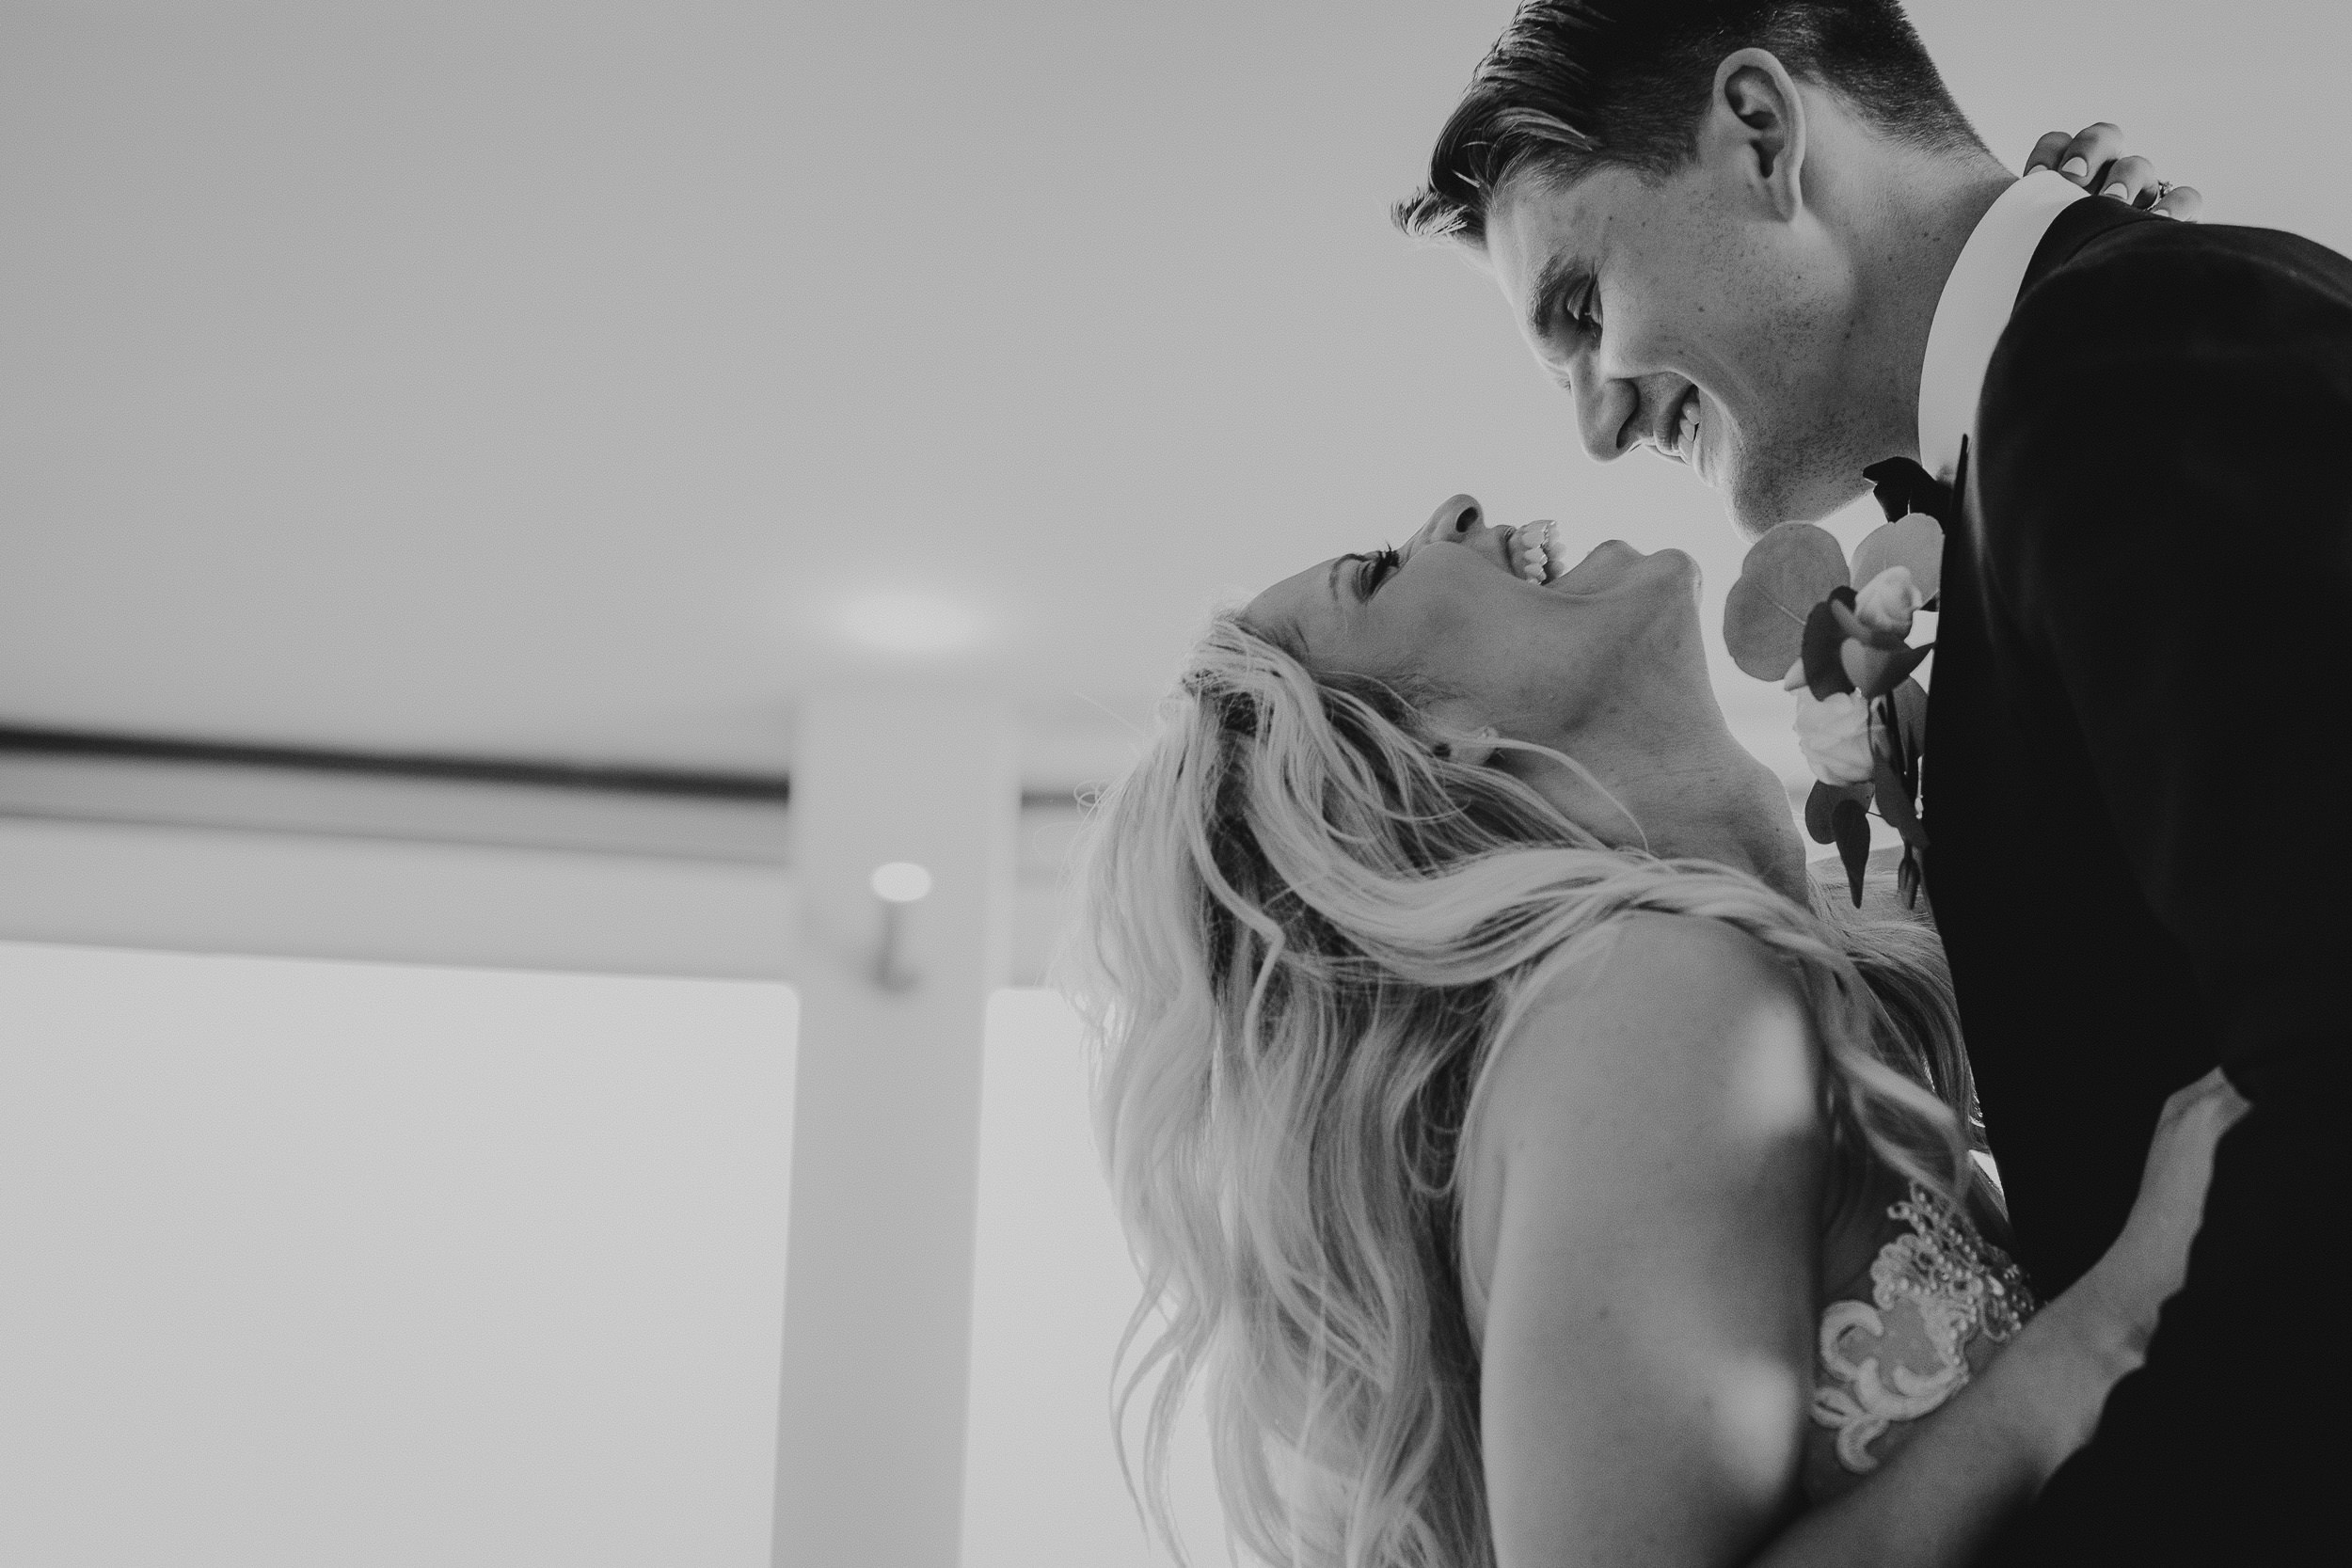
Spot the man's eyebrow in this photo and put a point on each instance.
(1557, 277)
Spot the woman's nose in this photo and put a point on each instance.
(1456, 517)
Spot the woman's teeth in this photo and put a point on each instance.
(1532, 545)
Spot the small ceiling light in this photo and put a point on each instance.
(909, 621)
(901, 883)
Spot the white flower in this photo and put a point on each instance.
(1887, 602)
(1834, 733)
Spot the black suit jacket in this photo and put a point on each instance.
(2139, 853)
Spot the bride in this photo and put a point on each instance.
(1528, 1165)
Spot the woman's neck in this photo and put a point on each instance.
(1704, 798)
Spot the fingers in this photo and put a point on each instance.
(2134, 182)
(2184, 202)
(2211, 1084)
(2213, 1102)
(2222, 1097)
(2080, 156)
(2094, 159)
(2126, 177)
(2047, 153)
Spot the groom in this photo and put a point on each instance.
(1761, 238)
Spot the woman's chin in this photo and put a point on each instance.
(1685, 569)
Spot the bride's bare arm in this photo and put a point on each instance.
(1644, 1172)
(1642, 1189)
(1985, 1454)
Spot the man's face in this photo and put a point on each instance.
(1682, 318)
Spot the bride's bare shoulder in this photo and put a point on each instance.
(1663, 1083)
(1669, 1025)
(1653, 977)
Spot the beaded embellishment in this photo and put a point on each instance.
(1905, 1352)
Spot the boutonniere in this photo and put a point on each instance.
(1840, 638)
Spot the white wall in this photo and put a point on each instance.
(312, 1262)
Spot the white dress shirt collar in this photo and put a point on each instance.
(1974, 308)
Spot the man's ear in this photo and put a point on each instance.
(1753, 130)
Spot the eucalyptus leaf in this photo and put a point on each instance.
(1823, 801)
(1824, 666)
(1915, 540)
(1818, 806)
(1851, 825)
(1790, 570)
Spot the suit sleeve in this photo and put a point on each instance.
(2164, 475)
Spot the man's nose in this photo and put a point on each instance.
(1605, 407)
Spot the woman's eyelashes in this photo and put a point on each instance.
(1375, 570)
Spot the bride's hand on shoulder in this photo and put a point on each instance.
(2093, 158)
(2149, 1261)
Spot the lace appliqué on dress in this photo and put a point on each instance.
(1905, 1352)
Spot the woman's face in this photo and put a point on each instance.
(1611, 643)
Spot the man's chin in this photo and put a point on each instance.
(1760, 500)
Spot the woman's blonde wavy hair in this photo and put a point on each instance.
(1308, 921)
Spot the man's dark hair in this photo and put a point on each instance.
(1576, 84)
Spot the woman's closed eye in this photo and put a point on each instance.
(1375, 570)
